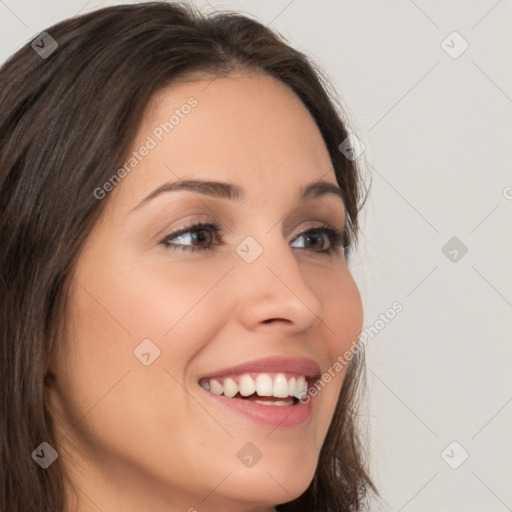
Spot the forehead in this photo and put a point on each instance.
(246, 128)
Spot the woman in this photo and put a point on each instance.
(176, 222)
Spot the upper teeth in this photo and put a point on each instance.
(279, 386)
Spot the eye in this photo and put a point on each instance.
(320, 234)
(202, 233)
(326, 238)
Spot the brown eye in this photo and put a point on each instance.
(200, 237)
(318, 235)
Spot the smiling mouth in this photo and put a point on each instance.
(277, 389)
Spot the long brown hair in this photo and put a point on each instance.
(67, 119)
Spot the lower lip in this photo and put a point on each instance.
(272, 415)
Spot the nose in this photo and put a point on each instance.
(274, 291)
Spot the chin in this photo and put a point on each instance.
(271, 486)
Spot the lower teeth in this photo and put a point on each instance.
(268, 402)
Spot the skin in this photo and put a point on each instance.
(135, 437)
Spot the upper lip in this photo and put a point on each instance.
(298, 365)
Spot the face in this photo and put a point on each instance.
(152, 312)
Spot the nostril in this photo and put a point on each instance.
(276, 320)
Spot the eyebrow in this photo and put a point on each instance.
(232, 192)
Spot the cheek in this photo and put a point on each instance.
(120, 303)
(107, 393)
(115, 308)
(343, 319)
(343, 316)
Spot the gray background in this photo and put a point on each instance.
(437, 132)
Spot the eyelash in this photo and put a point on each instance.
(336, 237)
